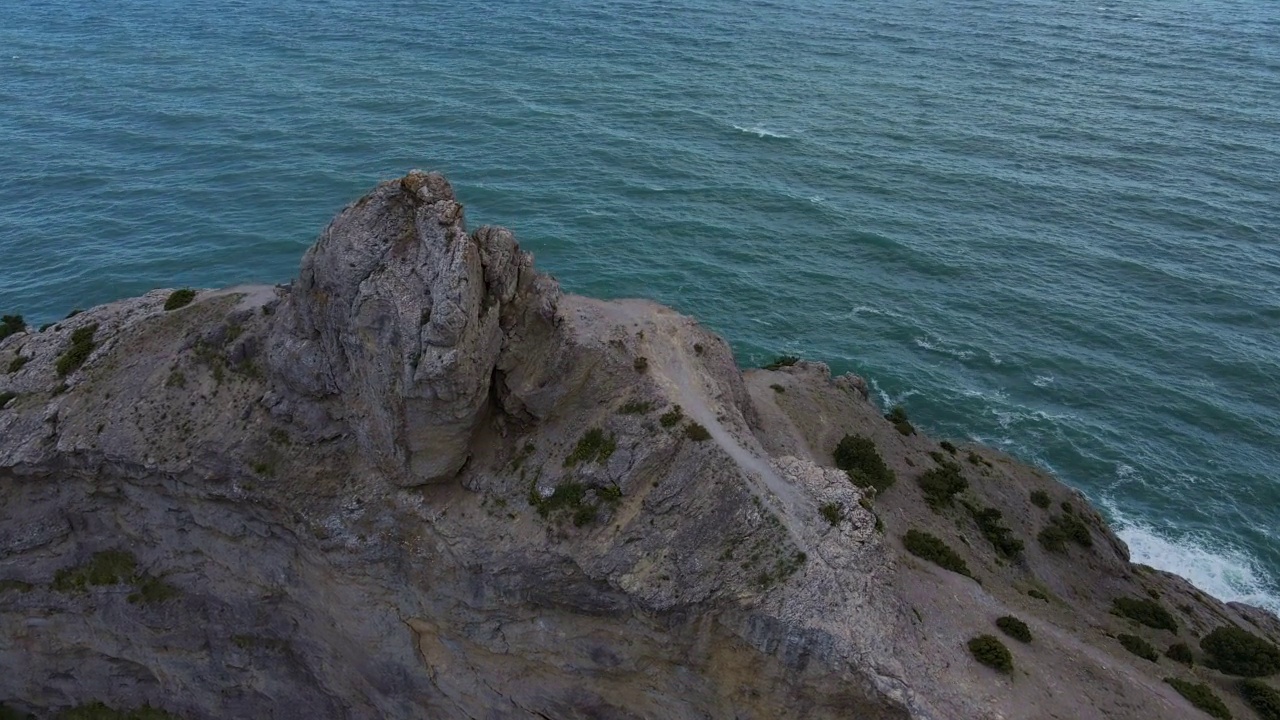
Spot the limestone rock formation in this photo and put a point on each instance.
(420, 481)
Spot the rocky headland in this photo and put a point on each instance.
(420, 481)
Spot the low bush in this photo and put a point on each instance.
(672, 417)
(6, 396)
(832, 512)
(1199, 695)
(778, 388)
(696, 432)
(1180, 653)
(898, 416)
(1014, 628)
(941, 484)
(857, 456)
(1040, 499)
(179, 298)
(782, 361)
(1148, 612)
(1235, 651)
(641, 364)
(932, 548)
(1139, 647)
(946, 445)
(1038, 595)
(593, 446)
(11, 325)
(1062, 529)
(635, 407)
(108, 567)
(988, 650)
(81, 347)
(1263, 698)
(98, 711)
(18, 363)
(1000, 537)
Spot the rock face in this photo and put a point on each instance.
(421, 482)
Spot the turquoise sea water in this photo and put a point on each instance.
(1050, 226)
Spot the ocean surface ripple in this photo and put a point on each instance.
(1048, 226)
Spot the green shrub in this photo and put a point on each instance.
(1139, 647)
(832, 512)
(81, 347)
(1235, 651)
(778, 388)
(1201, 696)
(108, 567)
(941, 484)
(1014, 628)
(1180, 653)
(1000, 537)
(593, 446)
(898, 416)
(1148, 612)
(179, 298)
(11, 325)
(930, 547)
(635, 407)
(8, 713)
(672, 417)
(1064, 528)
(1262, 698)
(696, 432)
(19, 585)
(782, 361)
(1038, 595)
(975, 458)
(641, 364)
(18, 363)
(152, 590)
(6, 396)
(988, 650)
(1040, 499)
(98, 711)
(857, 456)
(946, 445)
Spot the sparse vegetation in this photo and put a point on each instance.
(976, 459)
(18, 585)
(1063, 528)
(81, 347)
(176, 379)
(18, 363)
(593, 446)
(696, 432)
(108, 567)
(1040, 499)
(672, 417)
(179, 298)
(5, 397)
(1037, 595)
(1180, 653)
(635, 407)
(988, 650)
(698, 349)
(946, 445)
(1147, 612)
(1000, 537)
(832, 512)
(1235, 651)
(1139, 647)
(1014, 628)
(1263, 698)
(11, 325)
(857, 456)
(1199, 695)
(99, 711)
(151, 589)
(782, 361)
(898, 416)
(932, 548)
(641, 364)
(575, 500)
(778, 388)
(941, 484)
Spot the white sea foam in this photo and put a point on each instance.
(763, 132)
(1223, 571)
(1043, 381)
(927, 344)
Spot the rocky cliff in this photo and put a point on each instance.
(421, 481)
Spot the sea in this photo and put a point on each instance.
(1052, 226)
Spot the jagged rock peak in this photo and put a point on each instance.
(402, 313)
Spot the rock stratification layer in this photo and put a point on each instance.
(420, 481)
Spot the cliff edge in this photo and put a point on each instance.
(421, 481)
